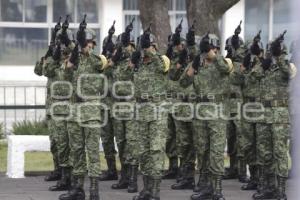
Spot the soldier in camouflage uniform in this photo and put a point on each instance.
(40, 70)
(84, 73)
(182, 113)
(236, 52)
(107, 132)
(209, 73)
(151, 113)
(253, 126)
(125, 127)
(276, 72)
(60, 92)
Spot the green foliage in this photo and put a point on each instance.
(30, 128)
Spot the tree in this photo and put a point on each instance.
(207, 14)
(156, 12)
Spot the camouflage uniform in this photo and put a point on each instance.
(40, 70)
(87, 115)
(183, 115)
(211, 133)
(150, 80)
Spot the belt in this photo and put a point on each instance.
(276, 103)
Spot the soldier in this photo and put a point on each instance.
(40, 70)
(124, 125)
(107, 132)
(208, 73)
(251, 126)
(83, 70)
(238, 166)
(150, 89)
(60, 90)
(182, 113)
(277, 72)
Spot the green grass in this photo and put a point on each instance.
(30, 128)
(1, 131)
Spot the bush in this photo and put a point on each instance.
(30, 128)
(1, 131)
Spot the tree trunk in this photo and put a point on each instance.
(156, 12)
(207, 14)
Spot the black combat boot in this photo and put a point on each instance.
(171, 173)
(55, 175)
(206, 192)
(123, 182)
(281, 188)
(77, 191)
(203, 182)
(111, 174)
(145, 193)
(243, 178)
(232, 171)
(187, 181)
(155, 188)
(253, 183)
(133, 173)
(217, 187)
(264, 189)
(94, 188)
(65, 182)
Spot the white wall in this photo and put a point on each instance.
(19, 73)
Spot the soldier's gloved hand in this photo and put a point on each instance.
(74, 59)
(135, 57)
(65, 39)
(117, 56)
(57, 53)
(196, 63)
(49, 52)
(247, 61)
(266, 63)
(183, 57)
(235, 42)
(255, 49)
(145, 41)
(276, 49)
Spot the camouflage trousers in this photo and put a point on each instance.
(127, 141)
(152, 139)
(185, 143)
(233, 133)
(63, 146)
(210, 137)
(107, 138)
(53, 141)
(84, 144)
(171, 149)
(272, 148)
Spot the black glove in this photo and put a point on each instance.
(205, 45)
(276, 49)
(247, 61)
(135, 59)
(266, 63)
(49, 52)
(57, 53)
(117, 55)
(235, 41)
(145, 41)
(183, 57)
(196, 63)
(255, 49)
(74, 59)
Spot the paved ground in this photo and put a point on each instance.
(34, 188)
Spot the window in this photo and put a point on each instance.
(257, 18)
(25, 44)
(27, 37)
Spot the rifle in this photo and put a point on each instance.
(276, 46)
(145, 43)
(81, 36)
(235, 40)
(125, 37)
(64, 35)
(109, 45)
(57, 52)
(190, 36)
(176, 35)
(53, 36)
(74, 59)
(255, 47)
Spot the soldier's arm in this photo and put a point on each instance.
(222, 65)
(49, 70)
(187, 77)
(175, 72)
(237, 76)
(257, 71)
(38, 68)
(284, 66)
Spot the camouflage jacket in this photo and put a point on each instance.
(150, 84)
(89, 87)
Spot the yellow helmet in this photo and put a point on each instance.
(104, 61)
(167, 62)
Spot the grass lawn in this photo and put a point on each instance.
(42, 161)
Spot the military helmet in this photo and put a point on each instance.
(209, 41)
(230, 43)
(214, 41)
(60, 32)
(90, 36)
(114, 40)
